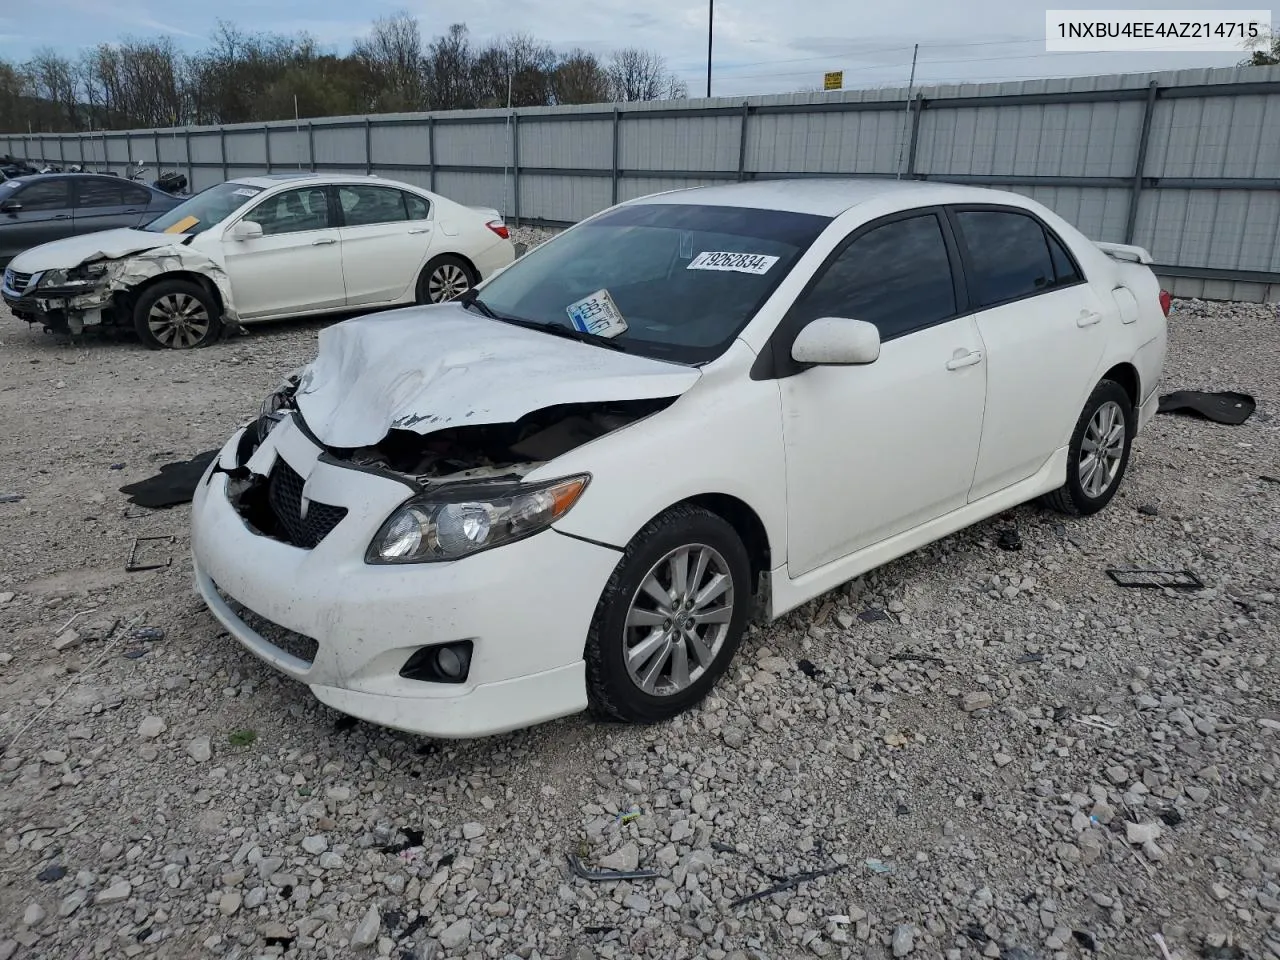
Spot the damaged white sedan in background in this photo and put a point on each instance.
(573, 486)
(260, 248)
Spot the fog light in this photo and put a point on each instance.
(441, 663)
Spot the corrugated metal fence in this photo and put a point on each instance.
(1186, 164)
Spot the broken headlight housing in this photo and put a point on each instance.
(87, 275)
(449, 524)
(277, 404)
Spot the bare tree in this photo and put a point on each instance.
(579, 77)
(637, 74)
(53, 82)
(517, 65)
(393, 56)
(448, 70)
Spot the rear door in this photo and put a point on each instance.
(1044, 330)
(105, 203)
(43, 214)
(386, 234)
(296, 265)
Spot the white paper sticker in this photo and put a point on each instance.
(756, 263)
(245, 192)
(598, 315)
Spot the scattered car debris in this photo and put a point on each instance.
(809, 668)
(412, 838)
(604, 876)
(51, 873)
(117, 466)
(148, 633)
(878, 866)
(133, 566)
(919, 658)
(1031, 658)
(1149, 510)
(789, 883)
(11, 497)
(1155, 579)
(1222, 952)
(1085, 939)
(174, 484)
(872, 616)
(1226, 407)
(1268, 478)
(1009, 539)
(137, 654)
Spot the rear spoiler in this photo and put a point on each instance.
(1123, 251)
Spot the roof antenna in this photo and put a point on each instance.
(911, 84)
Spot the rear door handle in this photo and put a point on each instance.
(420, 230)
(323, 242)
(133, 210)
(1088, 318)
(62, 216)
(968, 360)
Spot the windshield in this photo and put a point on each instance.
(672, 281)
(205, 209)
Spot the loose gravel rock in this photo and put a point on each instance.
(958, 747)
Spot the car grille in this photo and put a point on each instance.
(284, 493)
(17, 282)
(296, 645)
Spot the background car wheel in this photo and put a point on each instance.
(177, 315)
(1099, 452)
(670, 618)
(444, 278)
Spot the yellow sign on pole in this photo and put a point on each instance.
(833, 80)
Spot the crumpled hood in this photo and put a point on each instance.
(429, 368)
(73, 251)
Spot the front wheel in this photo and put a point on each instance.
(1099, 452)
(176, 315)
(670, 618)
(444, 278)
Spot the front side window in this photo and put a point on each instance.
(1008, 256)
(363, 206)
(205, 209)
(95, 192)
(293, 211)
(897, 276)
(684, 278)
(44, 195)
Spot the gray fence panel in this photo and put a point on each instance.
(485, 144)
(559, 198)
(338, 145)
(417, 177)
(403, 143)
(579, 144)
(206, 148)
(680, 143)
(247, 147)
(289, 149)
(204, 177)
(477, 189)
(826, 142)
(117, 150)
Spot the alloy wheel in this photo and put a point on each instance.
(447, 282)
(1102, 449)
(178, 320)
(678, 620)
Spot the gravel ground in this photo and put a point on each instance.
(987, 753)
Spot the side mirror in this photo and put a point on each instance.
(246, 230)
(837, 340)
(11, 206)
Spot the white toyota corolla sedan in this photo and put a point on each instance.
(572, 487)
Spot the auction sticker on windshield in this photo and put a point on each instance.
(597, 315)
(186, 223)
(756, 263)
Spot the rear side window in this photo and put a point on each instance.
(897, 276)
(99, 193)
(1010, 256)
(418, 208)
(44, 195)
(363, 206)
(136, 196)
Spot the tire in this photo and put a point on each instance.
(1086, 491)
(176, 315)
(444, 278)
(617, 691)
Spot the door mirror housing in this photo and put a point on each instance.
(246, 230)
(837, 340)
(11, 206)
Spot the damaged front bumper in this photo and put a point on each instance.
(347, 628)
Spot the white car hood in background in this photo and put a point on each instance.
(430, 368)
(73, 251)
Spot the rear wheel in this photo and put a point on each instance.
(1099, 452)
(176, 315)
(670, 618)
(444, 278)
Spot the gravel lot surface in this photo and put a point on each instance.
(987, 753)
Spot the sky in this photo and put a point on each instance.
(760, 46)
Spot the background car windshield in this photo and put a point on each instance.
(686, 278)
(205, 209)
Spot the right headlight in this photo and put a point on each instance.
(453, 523)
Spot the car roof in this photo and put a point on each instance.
(269, 180)
(830, 196)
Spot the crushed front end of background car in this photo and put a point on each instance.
(100, 291)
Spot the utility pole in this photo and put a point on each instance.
(711, 19)
(911, 86)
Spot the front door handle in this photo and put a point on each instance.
(967, 360)
(1088, 318)
(62, 216)
(133, 210)
(323, 242)
(421, 230)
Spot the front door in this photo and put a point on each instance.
(295, 266)
(40, 212)
(385, 236)
(875, 450)
(1044, 331)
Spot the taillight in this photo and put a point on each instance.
(1166, 301)
(500, 228)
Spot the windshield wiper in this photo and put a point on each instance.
(472, 299)
(571, 333)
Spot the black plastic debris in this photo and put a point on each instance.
(1149, 510)
(596, 931)
(1268, 478)
(872, 616)
(1171, 817)
(285, 942)
(604, 876)
(117, 466)
(1085, 939)
(1060, 714)
(1223, 953)
(1225, 407)
(1009, 539)
(51, 873)
(137, 654)
(902, 810)
(1031, 658)
(149, 633)
(919, 658)
(1155, 579)
(789, 883)
(11, 497)
(175, 483)
(446, 860)
(145, 932)
(808, 668)
(412, 838)
(134, 563)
